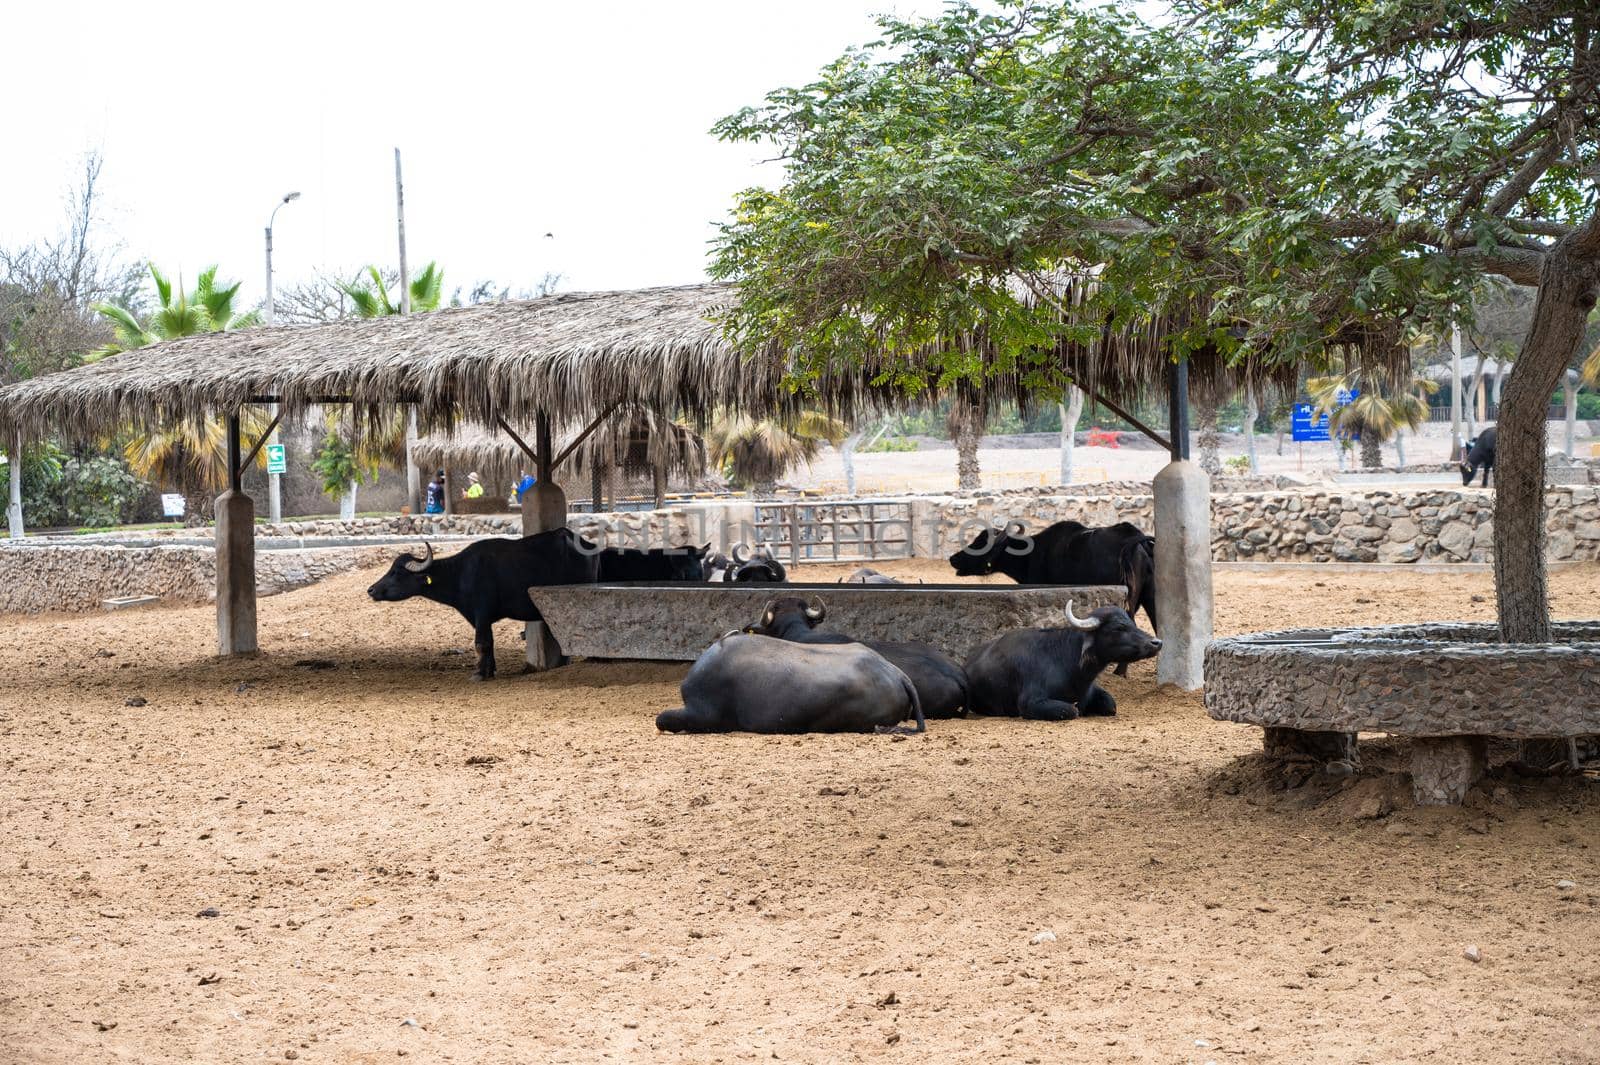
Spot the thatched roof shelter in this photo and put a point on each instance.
(636, 441)
(571, 356)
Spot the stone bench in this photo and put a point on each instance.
(1448, 686)
(675, 622)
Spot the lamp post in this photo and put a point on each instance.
(275, 489)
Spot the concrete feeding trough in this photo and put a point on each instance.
(123, 602)
(1449, 686)
(675, 622)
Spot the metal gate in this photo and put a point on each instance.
(835, 532)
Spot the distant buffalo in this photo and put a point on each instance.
(1480, 456)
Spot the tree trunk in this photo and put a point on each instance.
(847, 458)
(1569, 283)
(1470, 401)
(1371, 451)
(597, 489)
(659, 477)
(1251, 412)
(347, 503)
(1205, 422)
(1400, 449)
(966, 426)
(1071, 411)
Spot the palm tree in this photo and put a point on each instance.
(398, 430)
(1591, 368)
(208, 309)
(1377, 413)
(372, 301)
(191, 456)
(965, 422)
(755, 453)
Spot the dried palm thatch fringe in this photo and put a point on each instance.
(572, 356)
(632, 440)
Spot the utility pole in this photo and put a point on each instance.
(413, 475)
(274, 480)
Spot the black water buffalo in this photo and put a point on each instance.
(759, 684)
(717, 566)
(940, 682)
(761, 566)
(656, 564)
(488, 581)
(1049, 674)
(1480, 456)
(1068, 552)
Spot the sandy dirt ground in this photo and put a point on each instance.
(232, 861)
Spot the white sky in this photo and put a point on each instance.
(585, 120)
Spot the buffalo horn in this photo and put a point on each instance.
(418, 567)
(815, 614)
(1015, 528)
(739, 559)
(1083, 624)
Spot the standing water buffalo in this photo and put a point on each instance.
(1049, 674)
(758, 684)
(1068, 552)
(941, 684)
(488, 581)
(1480, 455)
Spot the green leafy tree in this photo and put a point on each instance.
(1262, 178)
(342, 468)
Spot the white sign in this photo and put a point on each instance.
(172, 504)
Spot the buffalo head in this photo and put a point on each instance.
(407, 576)
(1111, 637)
(979, 558)
(782, 611)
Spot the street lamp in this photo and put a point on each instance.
(275, 488)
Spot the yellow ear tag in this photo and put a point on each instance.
(428, 579)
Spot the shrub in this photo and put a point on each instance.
(891, 443)
(1101, 438)
(1237, 464)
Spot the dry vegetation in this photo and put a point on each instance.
(529, 872)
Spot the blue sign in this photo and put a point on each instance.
(1306, 425)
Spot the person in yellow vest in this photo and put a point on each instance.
(474, 487)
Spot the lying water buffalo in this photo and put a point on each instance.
(941, 684)
(1480, 456)
(759, 684)
(868, 575)
(1068, 552)
(488, 581)
(761, 566)
(1049, 674)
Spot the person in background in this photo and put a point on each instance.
(525, 481)
(433, 501)
(474, 487)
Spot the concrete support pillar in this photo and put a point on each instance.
(1444, 768)
(544, 508)
(236, 574)
(1183, 573)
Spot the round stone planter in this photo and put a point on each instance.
(1448, 685)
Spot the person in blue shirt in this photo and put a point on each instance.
(433, 502)
(525, 482)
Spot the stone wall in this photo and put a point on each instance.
(1312, 525)
(75, 578)
(657, 526)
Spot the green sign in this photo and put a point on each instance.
(276, 462)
